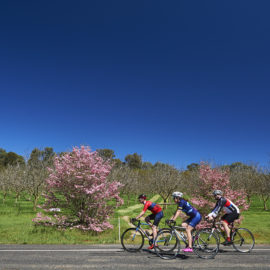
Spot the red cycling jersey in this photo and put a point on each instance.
(153, 207)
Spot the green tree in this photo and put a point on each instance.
(12, 158)
(106, 153)
(147, 165)
(2, 157)
(134, 161)
(193, 167)
(41, 156)
(37, 172)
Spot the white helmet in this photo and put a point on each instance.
(177, 194)
(217, 192)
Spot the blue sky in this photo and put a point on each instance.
(175, 81)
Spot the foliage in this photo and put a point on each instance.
(106, 153)
(212, 179)
(10, 158)
(165, 179)
(78, 185)
(134, 161)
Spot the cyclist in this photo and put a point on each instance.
(193, 214)
(157, 215)
(232, 213)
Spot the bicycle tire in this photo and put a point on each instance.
(166, 244)
(132, 240)
(243, 240)
(205, 244)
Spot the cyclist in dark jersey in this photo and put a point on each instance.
(157, 215)
(193, 214)
(232, 213)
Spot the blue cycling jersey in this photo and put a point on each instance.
(188, 209)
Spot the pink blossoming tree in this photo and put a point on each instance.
(210, 180)
(79, 186)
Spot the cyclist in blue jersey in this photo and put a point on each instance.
(193, 214)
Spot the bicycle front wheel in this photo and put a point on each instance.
(132, 240)
(243, 240)
(167, 245)
(205, 244)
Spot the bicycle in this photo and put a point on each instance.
(168, 242)
(242, 238)
(132, 239)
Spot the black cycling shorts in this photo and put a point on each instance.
(229, 218)
(156, 217)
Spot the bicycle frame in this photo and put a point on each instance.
(216, 228)
(203, 247)
(138, 227)
(180, 235)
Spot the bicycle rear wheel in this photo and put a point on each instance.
(205, 244)
(132, 240)
(243, 240)
(167, 245)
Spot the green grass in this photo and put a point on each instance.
(16, 226)
(258, 221)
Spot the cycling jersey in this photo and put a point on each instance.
(153, 207)
(188, 209)
(228, 206)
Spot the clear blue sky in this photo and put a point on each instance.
(175, 81)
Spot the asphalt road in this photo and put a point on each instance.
(27, 257)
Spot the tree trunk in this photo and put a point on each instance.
(248, 198)
(35, 202)
(4, 197)
(265, 202)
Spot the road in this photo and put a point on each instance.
(27, 257)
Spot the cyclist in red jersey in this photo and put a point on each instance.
(157, 215)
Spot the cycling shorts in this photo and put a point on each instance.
(156, 217)
(193, 221)
(229, 218)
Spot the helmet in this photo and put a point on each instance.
(142, 196)
(217, 192)
(177, 194)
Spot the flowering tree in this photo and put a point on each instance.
(78, 186)
(212, 179)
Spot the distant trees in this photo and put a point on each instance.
(213, 179)
(262, 186)
(10, 158)
(129, 178)
(244, 177)
(164, 180)
(106, 153)
(134, 161)
(19, 176)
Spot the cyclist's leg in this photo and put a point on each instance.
(147, 220)
(157, 219)
(225, 223)
(226, 220)
(192, 224)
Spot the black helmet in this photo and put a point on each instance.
(142, 196)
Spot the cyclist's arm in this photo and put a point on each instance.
(141, 214)
(219, 205)
(176, 215)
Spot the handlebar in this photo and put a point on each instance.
(170, 222)
(135, 222)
